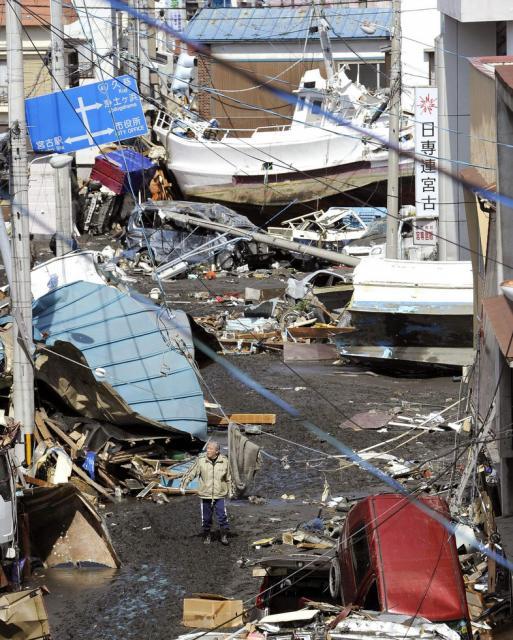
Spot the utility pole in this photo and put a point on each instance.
(393, 135)
(132, 62)
(144, 58)
(115, 41)
(21, 296)
(63, 216)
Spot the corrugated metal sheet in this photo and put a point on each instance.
(139, 348)
(284, 23)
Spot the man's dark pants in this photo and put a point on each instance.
(208, 508)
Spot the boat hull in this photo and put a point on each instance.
(414, 312)
(280, 192)
(275, 168)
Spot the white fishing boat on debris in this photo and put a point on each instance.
(331, 229)
(313, 157)
(410, 312)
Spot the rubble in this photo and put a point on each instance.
(170, 249)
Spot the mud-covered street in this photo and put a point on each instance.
(163, 558)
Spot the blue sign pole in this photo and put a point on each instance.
(85, 116)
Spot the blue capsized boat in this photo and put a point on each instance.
(143, 352)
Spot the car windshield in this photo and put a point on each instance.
(376, 228)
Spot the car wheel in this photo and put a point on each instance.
(335, 578)
(225, 260)
(145, 259)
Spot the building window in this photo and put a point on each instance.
(316, 106)
(360, 554)
(371, 74)
(3, 81)
(429, 56)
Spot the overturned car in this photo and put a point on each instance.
(153, 237)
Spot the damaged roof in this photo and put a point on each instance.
(133, 345)
(285, 23)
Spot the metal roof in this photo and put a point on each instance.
(131, 344)
(284, 23)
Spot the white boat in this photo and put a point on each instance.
(311, 158)
(331, 229)
(411, 312)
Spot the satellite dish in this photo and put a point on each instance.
(368, 27)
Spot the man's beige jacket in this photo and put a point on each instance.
(214, 477)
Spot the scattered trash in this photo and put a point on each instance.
(207, 611)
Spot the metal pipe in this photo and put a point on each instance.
(265, 238)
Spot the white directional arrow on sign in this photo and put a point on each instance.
(87, 136)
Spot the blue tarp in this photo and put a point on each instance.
(133, 345)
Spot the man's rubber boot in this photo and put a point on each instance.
(206, 537)
(224, 538)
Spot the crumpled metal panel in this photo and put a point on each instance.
(131, 344)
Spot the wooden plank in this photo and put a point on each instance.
(63, 436)
(38, 482)
(242, 418)
(108, 479)
(314, 545)
(42, 428)
(492, 574)
(80, 472)
(287, 537)
(318, 332)
(173, 491)
(475, 598)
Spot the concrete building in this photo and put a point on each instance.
(35, 16)
(278, 45)
(469, 28)
(276, 42)
(420, 25)
(490, 232)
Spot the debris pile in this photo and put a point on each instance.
(108, 461)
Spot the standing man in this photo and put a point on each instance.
(213, 472)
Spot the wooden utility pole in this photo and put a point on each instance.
(393, 135)
(21, 296)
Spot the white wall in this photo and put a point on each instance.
(477, 10)
(41, 197)
(459, 41)
(95, 27)
(295, 50)
(420, 26)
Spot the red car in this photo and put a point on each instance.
(394, 557)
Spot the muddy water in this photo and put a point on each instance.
(163, 558)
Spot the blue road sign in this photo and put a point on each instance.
(86, 116)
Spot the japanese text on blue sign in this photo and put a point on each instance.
(85, 116)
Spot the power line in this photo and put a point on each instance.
(358, 200)
(347, 451)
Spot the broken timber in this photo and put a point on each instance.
(241, 418)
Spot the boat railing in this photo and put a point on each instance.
(166, 122)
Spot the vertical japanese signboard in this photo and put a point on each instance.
(426, 170)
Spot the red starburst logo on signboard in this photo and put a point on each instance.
(427, 104)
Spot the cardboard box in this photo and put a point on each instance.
(208, 611)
